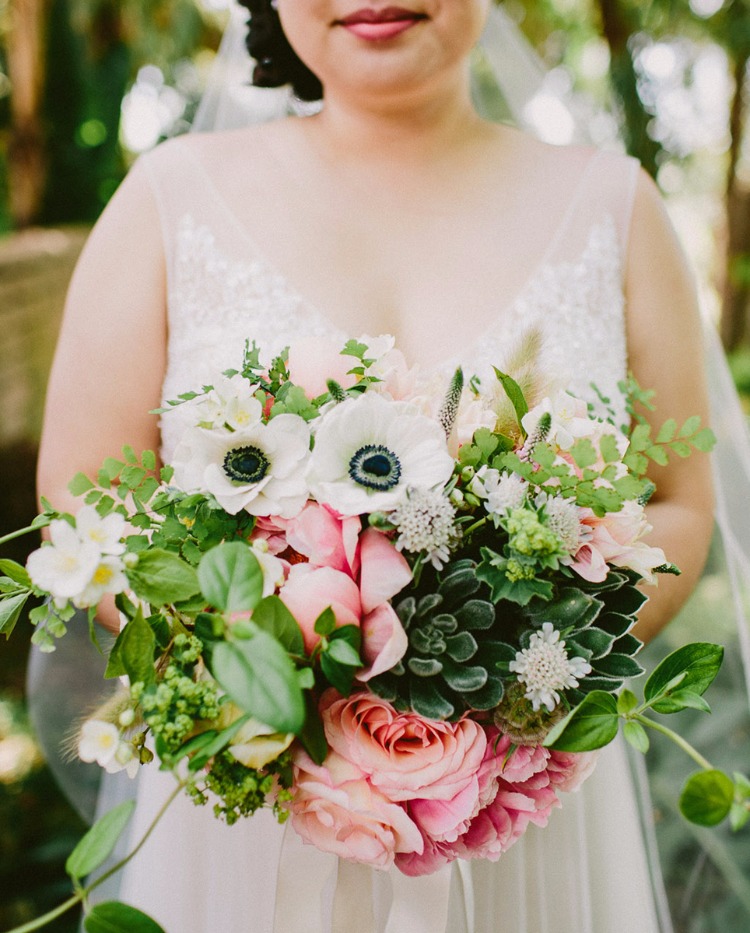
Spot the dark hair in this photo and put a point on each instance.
(276, 61)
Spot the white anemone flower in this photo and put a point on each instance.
(260, 469)
(230, 402)
(545, 668)
(99, 741)
(63, 567)
(369, 451)
(109, 577)
(105, 532)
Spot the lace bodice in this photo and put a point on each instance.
(220, 296)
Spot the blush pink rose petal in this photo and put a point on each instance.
(338, 811)
(384, 642)
(404, 755)
(384, 571)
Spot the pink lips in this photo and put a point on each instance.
(379, 25)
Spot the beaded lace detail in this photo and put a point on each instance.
(216, 302)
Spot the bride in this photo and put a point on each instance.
(395, 209)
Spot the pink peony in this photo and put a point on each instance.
(337, 810)
(425, 861)
(309, 591)
(384, 642)
(384, 571)
(315, 360)
(405, 755)
(568, 770)
(325, 538)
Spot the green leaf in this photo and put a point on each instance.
(707, 798)
(262, 681)
(514, 393)
(343, 653)
(162, 577)
(11, 608)
(738, 816)
(668, 430)
(216, 744)
(80, 485)
(273, 617)
(313, 735)
(135, 650)
(148, 459)
(627, 701)
(231, 579)
(690, 427)
(608, 448)
(658, 455)
(111, 469)
(325, 624)
(699, 662)
(681, 448)
(99, 842)
(680, 700)
(583, 453)
(704, 440)
(592, 724)
(115, 917)
(636, 736)
(617, 665)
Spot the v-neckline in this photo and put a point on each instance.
(505, 310)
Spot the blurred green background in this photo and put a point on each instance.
(85, 85)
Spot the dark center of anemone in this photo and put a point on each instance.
(375, 467)
(246, 465)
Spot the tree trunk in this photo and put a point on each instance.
(617, 29)
(26, 159)
(736, 287)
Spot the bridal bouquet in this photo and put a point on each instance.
(400, 616)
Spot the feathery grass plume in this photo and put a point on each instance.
(522, 365)
(337, 392)
(449, 409)
(109, 711)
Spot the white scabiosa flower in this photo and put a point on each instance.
(99, 741)
(563, 517)
(501, 491)
(545, 668)
(424, 521)
(369, 451)
(63, 567)
(259, 469)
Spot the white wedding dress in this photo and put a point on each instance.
(588, 871)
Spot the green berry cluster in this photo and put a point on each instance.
(242, 790)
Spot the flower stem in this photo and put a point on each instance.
(677, 739)
(49, 917)
(20, 533)
(152, 826)
(82, 895)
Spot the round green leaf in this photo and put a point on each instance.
(230, 577)
(273, 617)
(637, 736)
(592, 724)
(698, 661)
(262, 681)
(161, 577)
(99, 842)
(707, 798)
(114, 917)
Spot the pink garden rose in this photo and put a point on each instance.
(431, 764)
(336, 809)
(615, 539)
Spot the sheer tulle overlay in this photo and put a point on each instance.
(587, 872)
